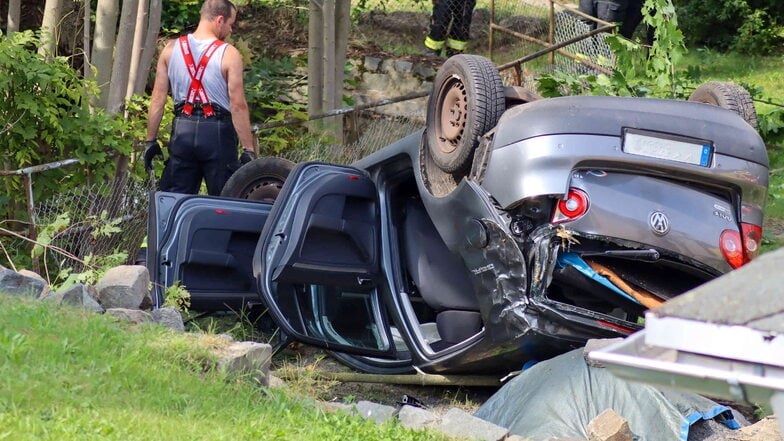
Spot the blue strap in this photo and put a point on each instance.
(574, 260)
(689, 420)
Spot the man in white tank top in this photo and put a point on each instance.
(211, 113)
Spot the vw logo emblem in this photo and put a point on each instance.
(660, 223)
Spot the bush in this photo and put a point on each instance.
(45, 117)
(752, 26)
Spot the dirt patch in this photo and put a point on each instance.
(306, 359)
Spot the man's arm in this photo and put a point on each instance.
(160, 91)
(240, 115)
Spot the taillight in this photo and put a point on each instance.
(738, 250)
(572, 207)
(752, 240)
(731, 247)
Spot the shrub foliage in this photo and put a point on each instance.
(45, 117)
(752, 26)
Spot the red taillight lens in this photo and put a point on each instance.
(572, 207)
(752, 240)
(731, 247)
(740, 250)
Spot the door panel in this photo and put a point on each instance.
(317, 263)
(207, 244)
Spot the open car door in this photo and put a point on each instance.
(206, 244)
(317, 263)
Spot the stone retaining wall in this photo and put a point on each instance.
(377, 78)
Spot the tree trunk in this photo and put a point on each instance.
(315, 57)
(103, 45)
(120, 70)
(342, 28)
(328, 96)
(14, 16)
(86, 40)
(137, 48)
(150, 45)
(328, 41)
(53, 11)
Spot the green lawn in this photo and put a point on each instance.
(66, 374)
(766, 72)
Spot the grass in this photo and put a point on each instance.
(757, 71)
(66, 374)
(764, 74)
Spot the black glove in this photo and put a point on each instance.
(247, 156)
(151, 150)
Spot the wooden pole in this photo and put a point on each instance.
(418, 379)
(315, 57)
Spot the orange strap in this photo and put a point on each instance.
(647, 298)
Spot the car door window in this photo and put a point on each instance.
(335, 315)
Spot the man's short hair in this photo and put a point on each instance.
(214, 8)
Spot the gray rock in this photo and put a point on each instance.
(376, 412)
(596, 344)
(609, 426)
(424, 72)
(78, 295)
(134, 316)
(372, 63)
(247, 357)
(387, 66)
(415, 418)
(403, 66)
(169, 317)
(35, 275)
(375, 81)
(276, 382)
(125, 286)
(332, 406)
(16, 284)
(461, 424)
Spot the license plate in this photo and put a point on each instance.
(669, 148)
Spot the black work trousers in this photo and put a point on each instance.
(451, 19)
(626, 12)
(200, 148)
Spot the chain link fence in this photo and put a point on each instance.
(376, 131)
(549, 36)
(88, 210)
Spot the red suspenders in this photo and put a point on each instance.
(196, 89)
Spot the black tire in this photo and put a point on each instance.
(727, 96)
(466, 102)
(258, 180)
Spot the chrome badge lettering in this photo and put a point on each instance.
(483, 269)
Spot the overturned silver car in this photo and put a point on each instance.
(509, 230)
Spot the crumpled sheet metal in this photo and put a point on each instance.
(500, 270)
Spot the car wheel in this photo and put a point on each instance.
(258, 180)
(467, 101)
(728, 96)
